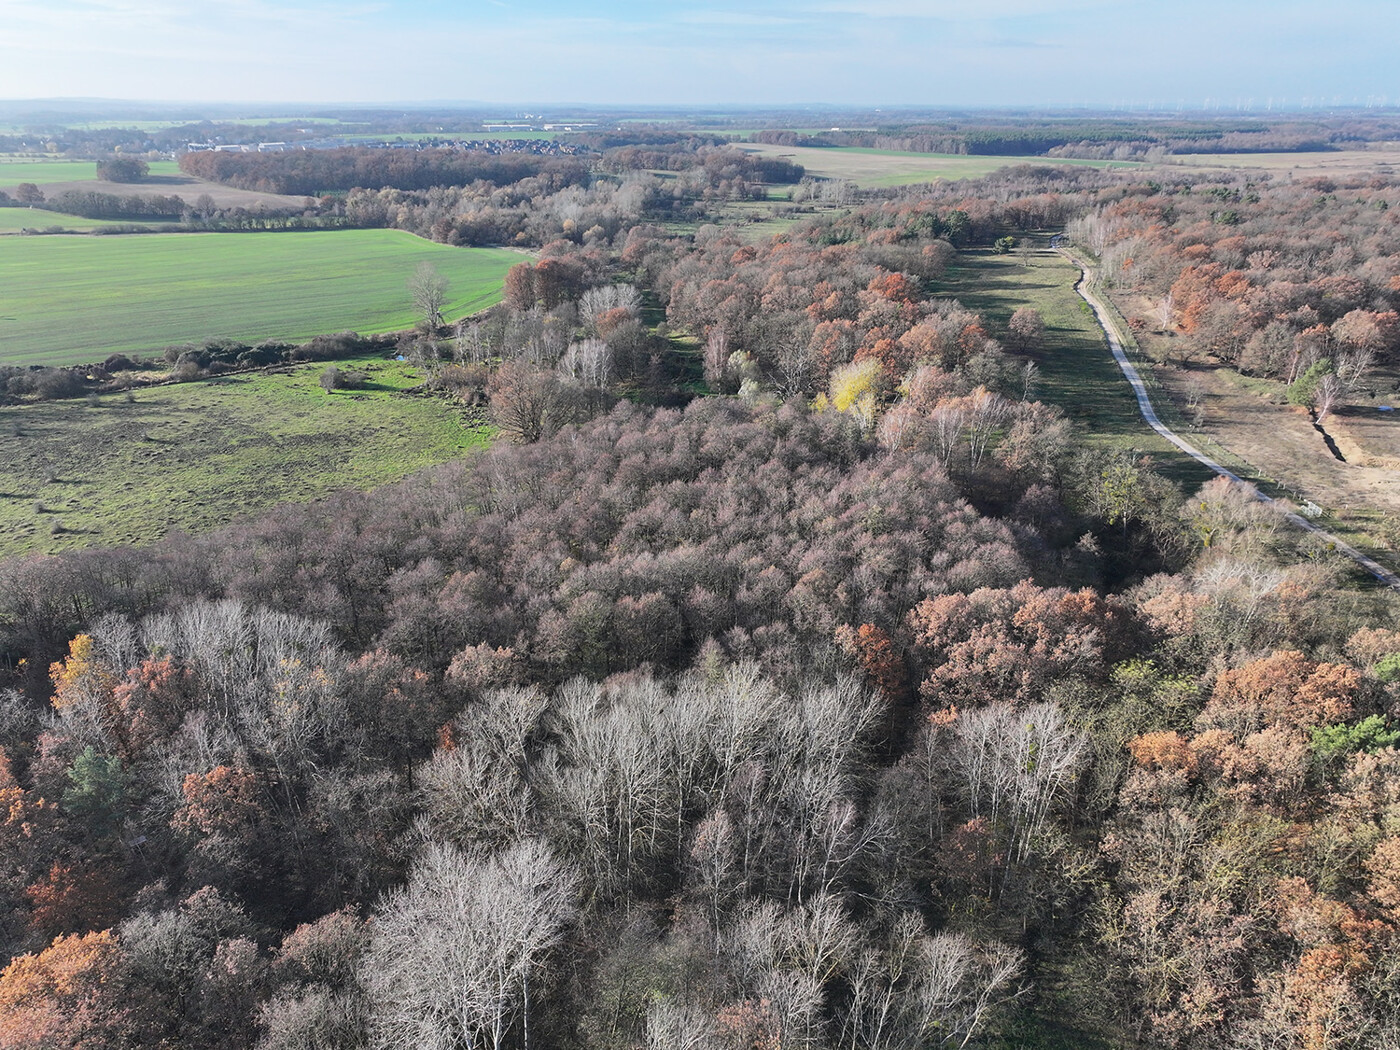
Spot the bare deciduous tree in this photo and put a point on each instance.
(1026, 329)
(453, 953)
(429, 291)
(716, 357)
(589, 362)
(526, 403)
(1330, 390)
(1010, 763)
(919, 990)
(680, 1026)
(476, 793)
(1166, 312)
(605, 298)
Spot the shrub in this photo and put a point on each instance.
(1370, 734)
(339, 346)
(119, 363)
(122, 169)
(1303, 390)
(1387, 668)
(55, 383)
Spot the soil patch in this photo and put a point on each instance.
(1249, 417)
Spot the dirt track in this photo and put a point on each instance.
(1139, 388)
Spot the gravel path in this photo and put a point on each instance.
(1110, 330)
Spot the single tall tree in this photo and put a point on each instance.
(429, 291)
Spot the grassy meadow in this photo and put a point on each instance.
(13, 220)
(193, 456)
(71, 300)
(1077, 371)
(42, 172)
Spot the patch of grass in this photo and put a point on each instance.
(14, 170)
(12, 220)
(194, 456)
(754, 221)
(1077, 370)
(72, 300)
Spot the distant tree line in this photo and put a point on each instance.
(315, 172)
(1097, 137)
(717, 162)
(91, 204)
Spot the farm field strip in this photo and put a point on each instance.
(71, 300)
(14, 170)
(12, 220)
(875, 168)
(1300, 164)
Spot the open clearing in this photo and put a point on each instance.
(871, 167)
(72, 300)
(193, 456)
(1077, 371)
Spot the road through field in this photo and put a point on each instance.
(1149, 414)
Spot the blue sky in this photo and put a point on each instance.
(843, 52)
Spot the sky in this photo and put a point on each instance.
(1169, 54)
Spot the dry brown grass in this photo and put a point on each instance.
(1383, 159)
(1250, 418)
(868, 167)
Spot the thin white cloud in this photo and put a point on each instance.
(734, 18)
(957, 10)
(248, 15)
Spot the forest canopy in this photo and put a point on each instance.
(785, 674)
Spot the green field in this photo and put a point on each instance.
(71, 300)
(14, 170)
(1077, 371)
(192, 456)
(43, 172)
(12, 220)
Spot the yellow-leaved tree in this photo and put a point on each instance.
(83, 685)
(852, 389)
